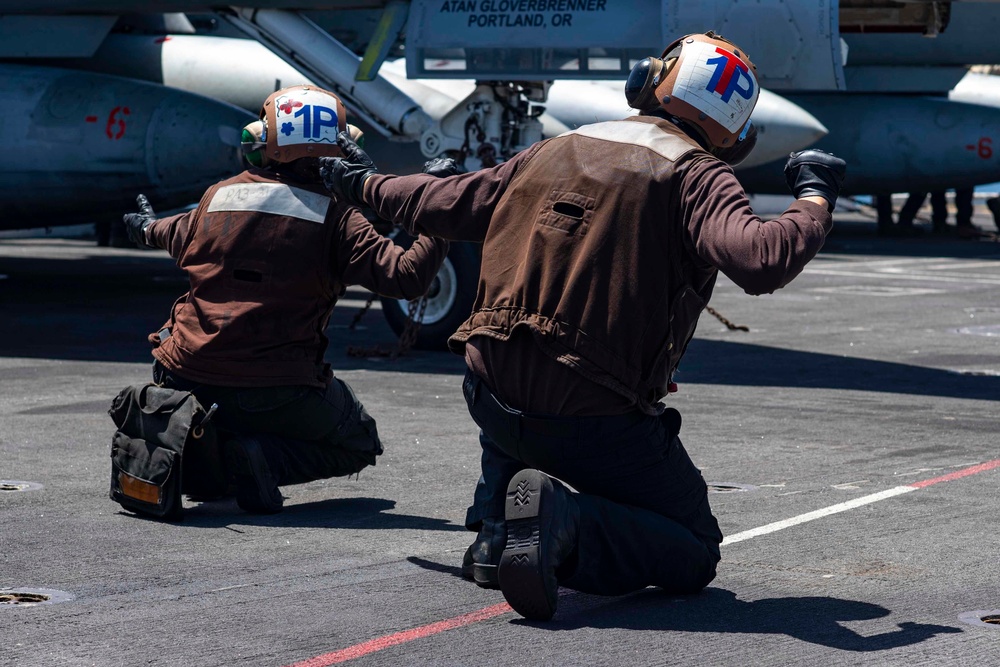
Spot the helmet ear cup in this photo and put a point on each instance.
(356, 134)
(253, 142)
(640, 87)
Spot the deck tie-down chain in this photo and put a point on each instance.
(730, 325)
(414, 318)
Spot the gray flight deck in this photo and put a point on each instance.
(878, 368)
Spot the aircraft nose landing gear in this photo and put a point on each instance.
(449, 299)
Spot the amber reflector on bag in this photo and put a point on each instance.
(134, 487)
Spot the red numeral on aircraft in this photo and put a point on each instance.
(985, 149)
(115, 129)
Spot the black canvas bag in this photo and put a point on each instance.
(165, 445)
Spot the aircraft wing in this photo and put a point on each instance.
(105, 136)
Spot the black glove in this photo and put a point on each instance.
(136, 223)
(815, 173)
(442, 167)
(345, 176)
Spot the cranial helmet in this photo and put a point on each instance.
(705, 81)
(296, 122)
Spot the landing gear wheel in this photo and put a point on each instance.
(449, 298)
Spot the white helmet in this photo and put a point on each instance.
(296, 122)
(704, 80)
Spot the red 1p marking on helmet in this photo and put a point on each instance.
(704, 80)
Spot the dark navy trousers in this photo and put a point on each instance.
(307, 433)
(645, 519)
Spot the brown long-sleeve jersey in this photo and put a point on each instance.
(267, 258)
(601, 248)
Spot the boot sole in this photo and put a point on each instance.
(484, 576)
(521, 573)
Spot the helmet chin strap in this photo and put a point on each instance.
(305, 169)
(686, 128)
(732, 155)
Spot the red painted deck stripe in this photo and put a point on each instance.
(358, 650)
(964, 472)
(374, 645)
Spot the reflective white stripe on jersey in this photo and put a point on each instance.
(638, 134)
(275, 198)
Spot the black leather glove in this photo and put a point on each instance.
(442, 167)
(815, 173)
(136, 223)
(345, 176)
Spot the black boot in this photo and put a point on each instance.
(256, 485)
(969, 231)
(542, 523)
(993, 203)
(483, 556)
